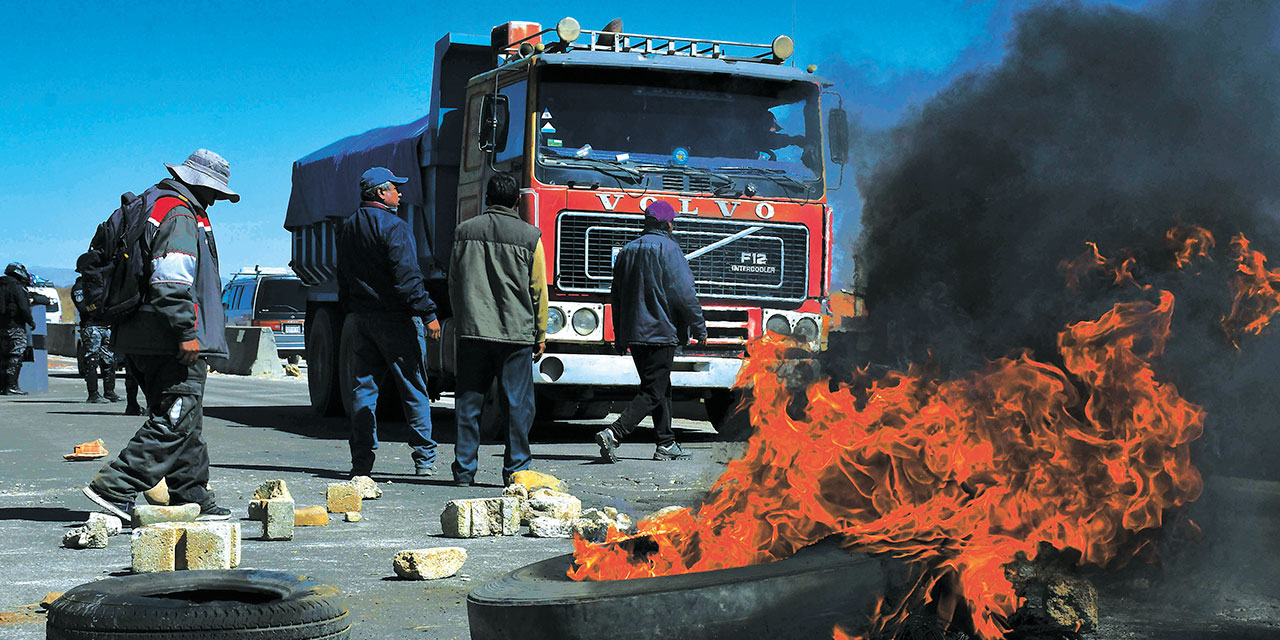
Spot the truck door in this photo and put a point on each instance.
(509, 157)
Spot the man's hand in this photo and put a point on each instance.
(433, 329)
(538, 350)
(188, 352)
(702, 342)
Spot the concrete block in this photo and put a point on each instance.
(315, 516)
(354, 516)
(251, 352)
(369, 490)
(205, 545)
(276, 516)
(85, 538)
(543, 527)
(105, 522)
(532, 480)
(272, 489)
(478, 517)
(154, 549)
(553, 504)
(429, 564)
(235, 544)
(342, 497)
(148, 514)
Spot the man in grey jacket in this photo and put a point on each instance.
(655, 307)
(179, 324)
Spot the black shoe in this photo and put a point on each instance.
(608, 446)
(111, 397)
(427, 470)
(96, 399)
(462, 482)
(133, 410)
(214, 512)
(122, 510)
(670, 452)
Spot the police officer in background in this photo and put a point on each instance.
(15, 321)
(381, 289)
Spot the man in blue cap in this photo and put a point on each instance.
(655, 308)
(380, 286)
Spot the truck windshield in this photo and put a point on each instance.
(702, 132)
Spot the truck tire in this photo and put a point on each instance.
(728, 414)
(199, 605)
(323, 332)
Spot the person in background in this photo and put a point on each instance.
(380, 287)
(498, 290)
(15, 321)
(179, 324)
(99, 357)
(655, 307)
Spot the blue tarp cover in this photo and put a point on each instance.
(326, 183)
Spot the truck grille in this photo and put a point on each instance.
(768, 264)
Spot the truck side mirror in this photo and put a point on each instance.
(495, 118)
(838, 132)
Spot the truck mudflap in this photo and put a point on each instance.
(581, 369)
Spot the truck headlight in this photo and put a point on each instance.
(585, 321)
(555, 320)
(778, 324)
(806, 330)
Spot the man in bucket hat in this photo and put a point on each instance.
(655, 307)
(166, 342)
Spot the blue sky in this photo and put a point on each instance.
(94, 97)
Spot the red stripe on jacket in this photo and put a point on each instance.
(163, 206)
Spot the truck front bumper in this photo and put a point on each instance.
(581, 369)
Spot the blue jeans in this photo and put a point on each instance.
(479, 362)
(389, 346)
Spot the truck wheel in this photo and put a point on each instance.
(322, 333)
(199, 605)
(728, 414)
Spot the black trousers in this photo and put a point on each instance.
(653, 364)
(170, 444)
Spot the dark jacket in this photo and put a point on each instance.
(654, 300)
(15, 308)
(497, 279)
(378, 265)
(184, 297)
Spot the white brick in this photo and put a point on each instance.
(478, 517)
(429, 564)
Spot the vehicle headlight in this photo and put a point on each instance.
(555, 320)
(778, 324)
(585, 321)
(806, 330)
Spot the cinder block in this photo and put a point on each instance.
(235, 544)
(106, 522)
(206, 545)
(342, 497)
(553, 504)
(272, 489)
(544, 527)
(369, 490)
(154, 549)
(148, 514)
(354, 516)
(429, 564)
(478, 517)
(276, 516)
(315, 516)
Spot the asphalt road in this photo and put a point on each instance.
(260, 429)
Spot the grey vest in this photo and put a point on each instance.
(489, 277)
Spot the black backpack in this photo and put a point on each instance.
(113, 272)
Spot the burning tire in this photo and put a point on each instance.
(802, 597)
(199, 605)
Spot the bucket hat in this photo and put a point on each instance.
(206, 169)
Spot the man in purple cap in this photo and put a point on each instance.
(655, 308)
(179, 324)
(380, 287)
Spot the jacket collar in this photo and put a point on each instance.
(377, 205)
(659, 232)
(499, 209)
(183, 192)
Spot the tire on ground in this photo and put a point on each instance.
(323, 332)
(200, 605)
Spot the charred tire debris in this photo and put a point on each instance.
(200, 605)
(804, 596)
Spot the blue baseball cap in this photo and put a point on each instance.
(377, 176)
(660, 210)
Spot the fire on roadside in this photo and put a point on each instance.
(966, 475)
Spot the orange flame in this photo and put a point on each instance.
(1256, 299)
(1077, 270)
(1189, 243)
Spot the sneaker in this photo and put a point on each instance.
(122, 510)
(426, 470)
(608, 446)
(669, 452)
(462, 482)
(96, 399)
(111, 397)
(214, 512)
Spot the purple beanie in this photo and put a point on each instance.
(661, 211)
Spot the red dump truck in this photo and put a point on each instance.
(595, 125)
